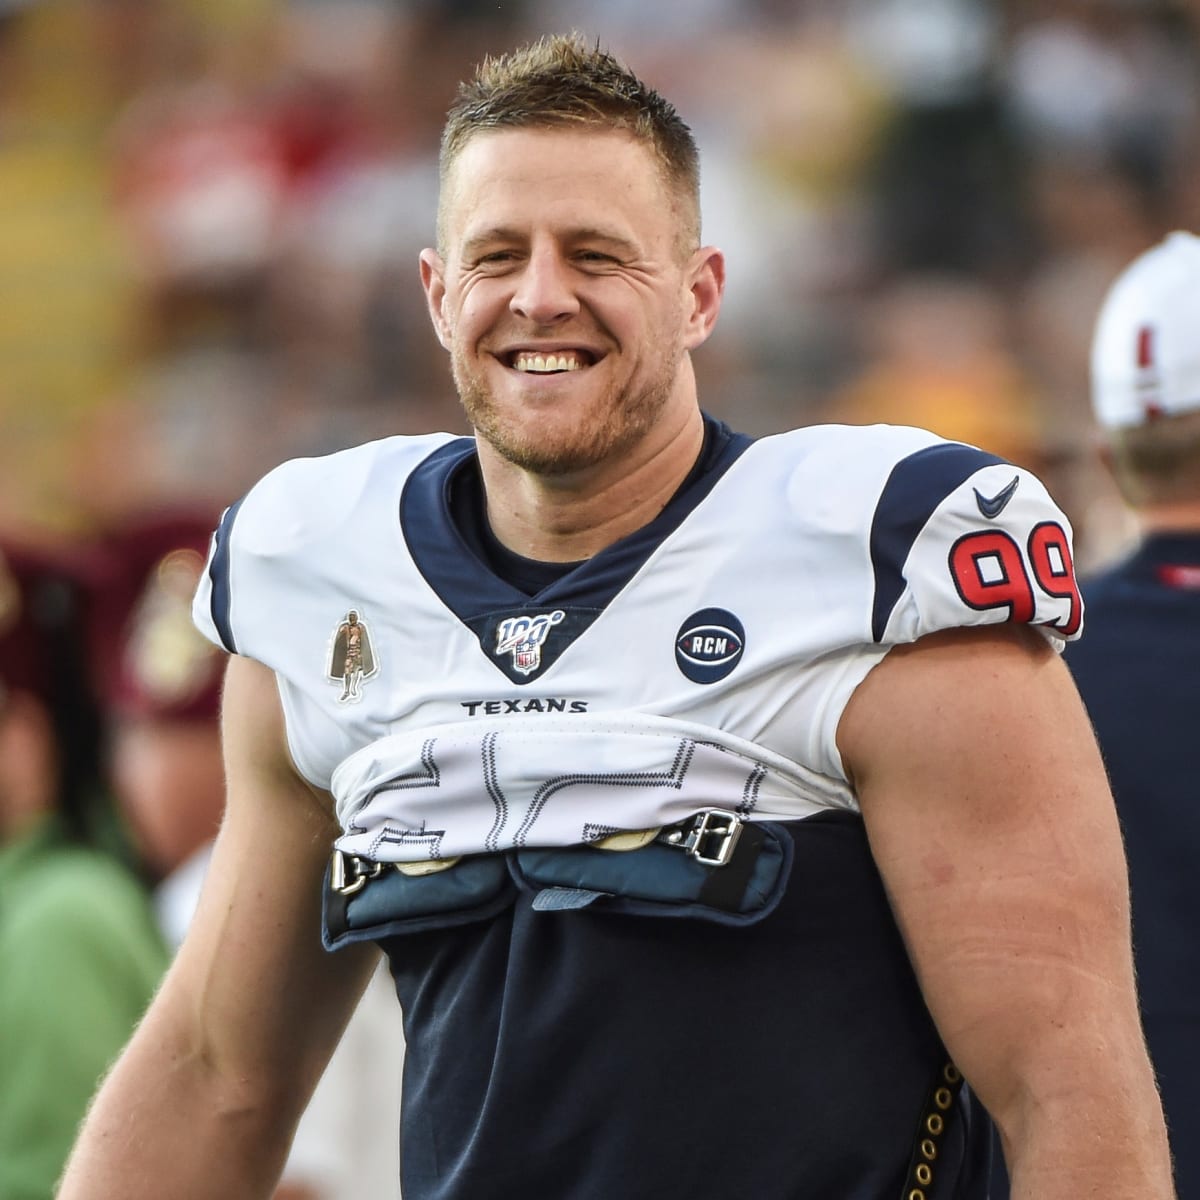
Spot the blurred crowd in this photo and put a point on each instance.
(210, 214)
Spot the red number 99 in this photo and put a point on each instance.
(989, 571)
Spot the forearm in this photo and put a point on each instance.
(1103, 1138)
(165, 1122)
(1056, 1055)
(1065, 1074)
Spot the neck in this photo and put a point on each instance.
(569, 518)
(1178, 517)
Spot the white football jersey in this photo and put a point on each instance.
(703, 660)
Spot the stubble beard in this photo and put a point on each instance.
(610, 426)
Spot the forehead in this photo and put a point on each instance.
(524, 180)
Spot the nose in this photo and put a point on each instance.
(545, 294)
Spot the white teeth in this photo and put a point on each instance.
(545, 363)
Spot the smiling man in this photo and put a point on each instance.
(568, 327)
(723, 807)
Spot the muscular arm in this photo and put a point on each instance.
(991, 821)
(204, 1100)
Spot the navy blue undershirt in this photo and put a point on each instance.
(468, 509)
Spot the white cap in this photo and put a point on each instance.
(1146, 347)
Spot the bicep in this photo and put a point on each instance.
(264, 996)
(989, 815)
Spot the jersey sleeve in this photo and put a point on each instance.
(960, 538)
(212, 600)
(932, 535)
(291, 535)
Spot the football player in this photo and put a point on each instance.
(724, 807)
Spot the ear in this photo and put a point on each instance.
(706, 286)
(433, 280)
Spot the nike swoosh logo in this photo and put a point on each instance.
(993, 506)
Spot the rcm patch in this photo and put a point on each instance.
(709, 644)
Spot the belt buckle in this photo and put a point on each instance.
(348, 873)
(712, 838)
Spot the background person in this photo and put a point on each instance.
(80, 954)
(1137, 669)
(160, 688)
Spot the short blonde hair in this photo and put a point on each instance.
(1158, 462)
(563, 81)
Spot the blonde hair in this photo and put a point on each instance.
(1158, 462)
(563, 81)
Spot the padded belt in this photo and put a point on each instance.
(714, 866)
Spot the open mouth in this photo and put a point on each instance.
(549, 362)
